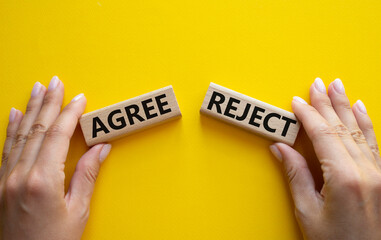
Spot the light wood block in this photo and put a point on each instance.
(251, 114)
(129, 116)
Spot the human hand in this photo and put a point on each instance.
(33, 203)
(349, 205)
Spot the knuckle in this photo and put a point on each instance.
(50, 99)
(376, 183)
(84, 213)
(301, 214)
(54, 131)
(291, 173)
(37, 129)
(342, 130)
(324, 129)
(324, 103)
(343, 103)
(12, 185)
(20, 140)
(35, 184)
(4, 158)
(30, 107)
(358, 136)
(374, 148)
(91, 174)
(353, 184)
(368, 126)
(10, 133)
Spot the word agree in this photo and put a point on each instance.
(250, 114)
(130, 116)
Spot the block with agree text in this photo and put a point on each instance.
(129, 116)
(251, 114)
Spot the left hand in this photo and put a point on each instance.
(33, 204)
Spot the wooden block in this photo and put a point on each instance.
(251, 114)
(129, 116)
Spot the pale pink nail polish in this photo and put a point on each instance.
(299, 99)
(53, 83)
(360, 105)
(104, 152)
(36, 89)
(12, 115)
(319, 85)
(76, 98)
(338, 86)
(275, 151)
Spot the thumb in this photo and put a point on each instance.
(300, 179)
(86, 172)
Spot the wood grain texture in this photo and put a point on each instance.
(251, 114)
(129, 116)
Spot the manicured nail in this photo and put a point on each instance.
(36, 89)
(53, 83)
(275, 151)
(319, 85)
(76, 98)
(360, 105)
(104, 152)
(12, 115)
(338, 86)
(298, 99)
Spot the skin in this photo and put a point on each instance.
(349, 204)
(33, 203)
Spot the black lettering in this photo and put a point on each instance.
(135, 114)
(119, 120)
(256, 116)
(245, 112)
(102, 127)
(287, 125)
(230, 106)
(147, 109)
(267, 119)
(160, 104)
(213, 101)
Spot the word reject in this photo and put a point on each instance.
(134, 114)
(250, 114)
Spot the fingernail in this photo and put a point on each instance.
(275, 151)
(77, 97)
(319, 85)
(338, 86)
(298, 99)
(53, 83)
(361, 106)
(36, 89)
(104, 152)
(12, 115)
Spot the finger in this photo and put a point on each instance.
(55, 146)
(32, 110)
(366, 126)
(328, 146)
(15, 117)
(321, 102)
(301, 182)
(48, 114)
(83, 181)
(341, 104)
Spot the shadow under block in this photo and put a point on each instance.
(129, 116)
(251, 114)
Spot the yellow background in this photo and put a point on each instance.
(193, 178)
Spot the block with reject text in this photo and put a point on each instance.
(251, 114)
(134, 114)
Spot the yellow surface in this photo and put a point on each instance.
(193, 178)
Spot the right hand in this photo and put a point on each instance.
(349, 205)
